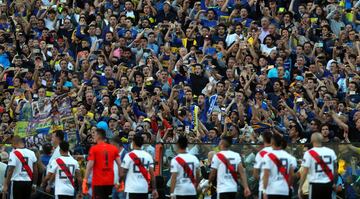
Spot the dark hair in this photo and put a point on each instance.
(278, 140)
(46, 148)
(116, 140)
(227, 140)
(138, 140)
(101, 133)
(266, 135)
(64, 146)
(59, 134)
(182, 142)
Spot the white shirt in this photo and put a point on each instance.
(277, 184)
(2, 174)
(56, 154)
(259, 163)
(135, 181)
(20, 173)
(316, 174)
(266, 50)
(63, 185)
(184, 186)
(225, 181)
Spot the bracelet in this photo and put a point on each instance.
(172, 195)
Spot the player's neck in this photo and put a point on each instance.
(277, 148)
(181, 151)
(317, 145)
(136, 147)
(267, 145)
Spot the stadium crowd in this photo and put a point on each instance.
(204, 69)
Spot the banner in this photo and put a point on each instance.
(21, 129)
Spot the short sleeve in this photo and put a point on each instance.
(266, 162)
(294, 163)
(53, 166)
(173, 166)
(77, 167)
(116, 151)
(197, 163)
(12, 159)
(306, 160)
(257, 163)
(334, 157)
(151, 161)
(215, 162)
(91, 154)
(126, 162)
(34, 159)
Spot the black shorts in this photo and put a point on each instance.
(278, 197)
(65, 197)
(320, 190)
(102, 192)
(227, 195)
(137, 196)
(186, 197)
(20, 190)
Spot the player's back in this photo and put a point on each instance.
(135, 181)
(103, 155)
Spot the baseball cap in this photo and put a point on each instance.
(299, 78)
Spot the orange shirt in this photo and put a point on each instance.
(103, 155)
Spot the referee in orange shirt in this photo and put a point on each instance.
(101, 164)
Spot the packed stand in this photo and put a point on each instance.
(162, 69)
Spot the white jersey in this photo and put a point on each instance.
(20, 173)
(184, 186)
(277, 184)
(135, 181)
(56, 154)
(316, 173)
(225, 181)
(63, 185)
(259, 163)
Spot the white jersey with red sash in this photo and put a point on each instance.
(138, 163)
(225, 178)
(185, 165)
(279, 162)
(258, 163)
(22, 160)
(320, 161)
(64, 168)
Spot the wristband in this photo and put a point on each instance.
(34, 186)
(172, 195)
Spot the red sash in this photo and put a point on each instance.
(187, 170)
(228, 166)
(63, 167)
(263, 153)
(141, 167)
(280, 167)
(322, 164)
(24, 164)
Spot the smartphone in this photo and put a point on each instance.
(187, 129)
(281, 10)
(50, 46)
(320, 44)
(352, 92)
